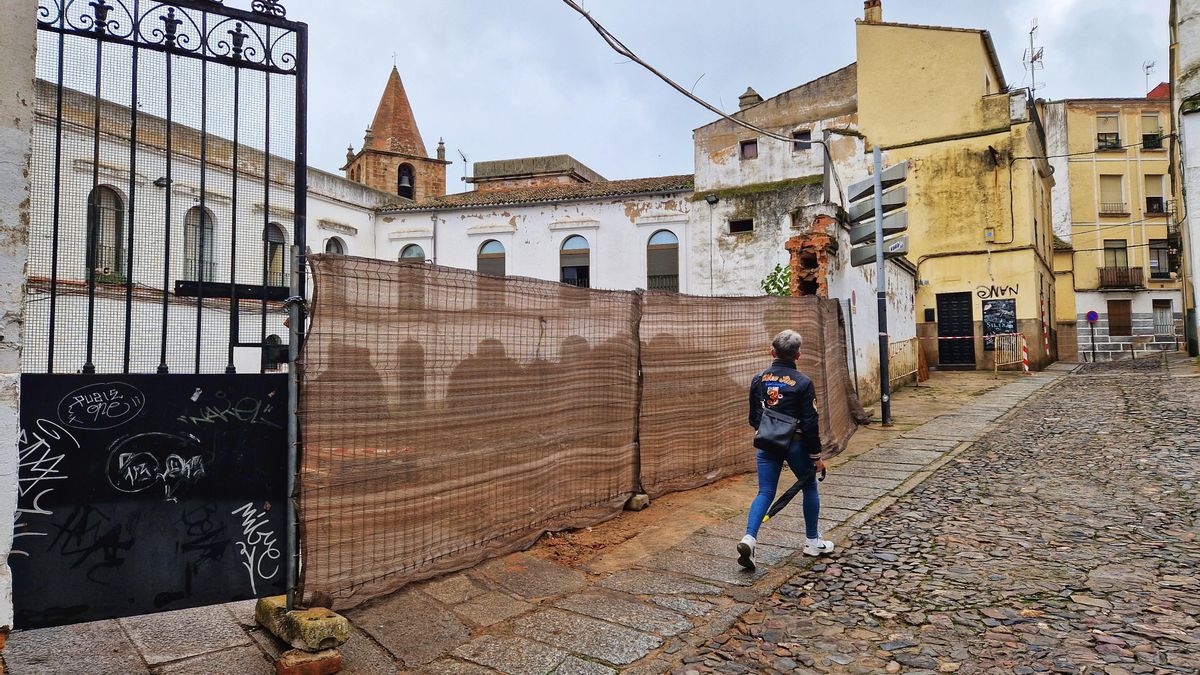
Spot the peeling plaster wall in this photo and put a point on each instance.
(617, 230)
(1055, 120)
(16, 129)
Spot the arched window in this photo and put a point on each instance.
(198, 245)
(335, 246)
(491, 258)
(575, 262)
(106, 233)
(412, 252)
(406, 182)
(662, 262)
(275, 244)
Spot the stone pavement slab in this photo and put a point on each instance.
(530, 577)
(246, 660)
(626, 611)
(169, 636)
(840, 479)
(642, 582)
(703, 566)
(490, 608)
(684, 605)
(723, 547)
(513, 655)
(617, 645)
(102, 645)
(734, 528)
(413, 627)
(577, 666)
(857, 469)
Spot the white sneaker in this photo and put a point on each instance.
(745, 549)
(818, 546)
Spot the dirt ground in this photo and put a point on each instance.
(630, 536)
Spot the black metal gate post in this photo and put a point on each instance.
(159, 447)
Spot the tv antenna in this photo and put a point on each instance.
(1033, 59)
(1147, 68)
(464, 161)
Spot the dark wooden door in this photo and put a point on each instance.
(955, 322)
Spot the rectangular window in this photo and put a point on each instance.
(1160, 259)
(1120, 321)
(1108, 131)
(1112, 194)
(1151, 132)
(801, 140)
(1155, 204)
(1115, 253)
(739, 226)
(749, 149)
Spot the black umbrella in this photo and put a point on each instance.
(787, 496)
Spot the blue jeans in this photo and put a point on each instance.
(769, 468)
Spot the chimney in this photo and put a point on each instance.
(441, 150)
(749, 98)
(873, 11)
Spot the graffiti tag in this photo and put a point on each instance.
(40, 451)
(258, 546)
(101, 406)
(995, 291)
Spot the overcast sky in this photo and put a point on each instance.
(517, 78)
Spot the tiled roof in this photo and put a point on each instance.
(551, 193)
(1060, 245)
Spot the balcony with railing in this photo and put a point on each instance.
(1108, 141)
(1156, 206)
(1114, 209)
(663, 282)
(1121, 277)
(1152, 141)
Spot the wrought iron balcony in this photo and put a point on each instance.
(1108, 141)
(1121, 277)
(1114, 209)
(1156, 206)
(1152, 141)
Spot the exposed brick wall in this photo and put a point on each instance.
(809, 258)
(381, 170)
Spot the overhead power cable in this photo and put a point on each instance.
(620, 48)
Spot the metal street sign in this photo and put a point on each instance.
(893, 223)
(895, 247)
(893, 175)
(865, 209)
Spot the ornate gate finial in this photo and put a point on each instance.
(271, 7)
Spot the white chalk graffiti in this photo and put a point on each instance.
(134, 463)
(258, 545)
(101, 406)
(39, 453)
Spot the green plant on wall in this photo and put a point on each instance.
(778, 282)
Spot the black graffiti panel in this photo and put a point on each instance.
(144, 493)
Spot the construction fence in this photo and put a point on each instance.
(448, 417)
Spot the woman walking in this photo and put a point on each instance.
(783, 389)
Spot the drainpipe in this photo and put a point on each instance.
(434, 218)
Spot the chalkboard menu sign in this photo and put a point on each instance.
(144, 493)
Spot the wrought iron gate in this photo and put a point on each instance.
(163, 310)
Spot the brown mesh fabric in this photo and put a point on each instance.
(698, 357)
(448, 417)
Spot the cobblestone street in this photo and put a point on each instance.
(1064, 540)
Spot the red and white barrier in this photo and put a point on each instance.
(1025, 356)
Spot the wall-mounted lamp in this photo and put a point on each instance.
(712, 199)
(162, 182)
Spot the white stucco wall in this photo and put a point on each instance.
(1186, 85)
(617, 230)
(16, 124)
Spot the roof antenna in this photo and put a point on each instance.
(464, 161)
(1033, 60)
(1147, 68)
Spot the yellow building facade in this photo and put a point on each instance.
(1119, 255)
(979, 186)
